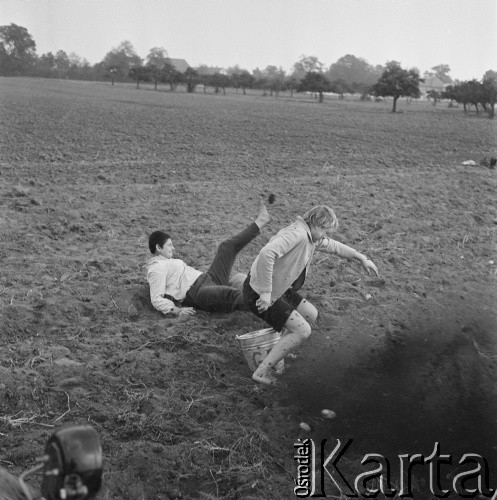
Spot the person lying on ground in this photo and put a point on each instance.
(179, 289)
(278, 272)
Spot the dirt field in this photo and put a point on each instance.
(88, 170)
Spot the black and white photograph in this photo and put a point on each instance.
(248, 249)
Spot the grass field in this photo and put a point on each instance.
(88, 170)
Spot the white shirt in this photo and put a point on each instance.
(169, 277)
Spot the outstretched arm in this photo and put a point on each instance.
(328, 245)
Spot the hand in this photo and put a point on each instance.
(369, 266)
(186, 311)
(263, 302)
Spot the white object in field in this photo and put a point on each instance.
(470, 163)
(330, 414)
(490, 261)
(305, 427)
(367, 296)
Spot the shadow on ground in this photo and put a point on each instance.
(428, 378)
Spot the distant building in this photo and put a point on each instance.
(210, 70)
(179, 64)
(431, 83)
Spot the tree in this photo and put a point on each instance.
(205, 75)
(99, 71)
(169, 74)
(79, 68)
(315, 82)
(489, 91)
(240, 78)
(475, 94)
(155, 73)
(120, 60)
(434, 95)
(235, 81)
(397, 82)
(360, 88)
(468, 92)
(441, 72)
(232, 70)
(17, 50)
(45, 65)
(85, 70)
(260, 80)
(157, 56)
(291, 84)
(275, 79)
(245, 80)
(340, 87)
(156, 59)
(191, 78)
(458, 93)
(139, 74)
(218, 80)
(306, 64)
(61, 63)
(271, 79)
(490, 75)
(355, 72)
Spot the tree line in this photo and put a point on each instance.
(483, 93)
(348, 75)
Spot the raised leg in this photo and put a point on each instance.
(222, 264)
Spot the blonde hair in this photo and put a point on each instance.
(322, 217)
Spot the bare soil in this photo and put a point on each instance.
(88, 170)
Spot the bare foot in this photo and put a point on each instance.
(263, 216)
(265, 378)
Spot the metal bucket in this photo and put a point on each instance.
(257, 345)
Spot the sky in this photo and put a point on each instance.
(259, 33)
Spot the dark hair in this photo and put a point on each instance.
(157, 238)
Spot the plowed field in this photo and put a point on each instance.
(88, 170)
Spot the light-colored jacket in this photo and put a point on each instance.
(169, 277)
(284, 257)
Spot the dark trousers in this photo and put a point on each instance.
(211, 291)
